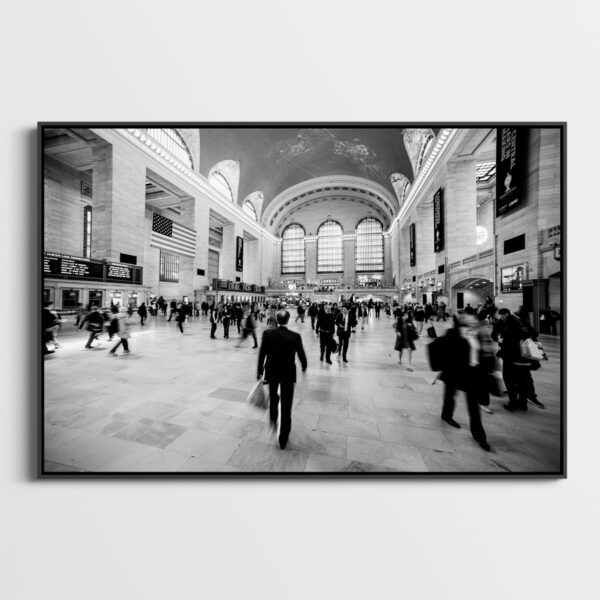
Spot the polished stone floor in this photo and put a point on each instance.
(177, 403)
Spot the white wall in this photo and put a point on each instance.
(293, 539)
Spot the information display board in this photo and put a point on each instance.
(72, 267)
(77, 267)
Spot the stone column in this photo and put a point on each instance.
(426, 257)
(251, 262)
(388, 263)
(118, 205)
(227, 262)
(201, 225)
(460, 207)
(349, 240)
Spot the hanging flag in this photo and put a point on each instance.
(168, 235)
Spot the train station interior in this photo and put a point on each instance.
(396, 216)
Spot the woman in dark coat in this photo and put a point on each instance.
(143, 312)
(405, 337)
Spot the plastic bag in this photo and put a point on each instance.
(259, 396)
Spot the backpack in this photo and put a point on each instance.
(436, 351)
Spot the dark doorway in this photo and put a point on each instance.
(460, 300)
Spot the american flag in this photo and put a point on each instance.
(168, 235)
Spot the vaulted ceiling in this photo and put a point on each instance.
(272, 159)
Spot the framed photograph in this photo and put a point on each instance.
(512, 278)
(227, 299)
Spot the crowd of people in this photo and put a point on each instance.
(467, 357)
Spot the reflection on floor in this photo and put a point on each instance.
(178, 403)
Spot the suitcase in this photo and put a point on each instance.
(431, 332)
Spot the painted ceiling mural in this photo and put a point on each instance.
(273, 159)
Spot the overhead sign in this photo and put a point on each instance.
(438, 221)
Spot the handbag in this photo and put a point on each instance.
(258, 396)
(333, 345)
(530, 350)
(398, 345)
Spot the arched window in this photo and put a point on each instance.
(369, 245)
(219, 182)
(292, 249)
(249, 209)
(170, 140)
(330, 250)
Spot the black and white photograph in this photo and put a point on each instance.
(314, 299)
(299, 300)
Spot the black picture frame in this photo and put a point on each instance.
(560, 472)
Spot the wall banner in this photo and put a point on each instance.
(511, 164)
(239, 253)
(438, 221)
(413, 245)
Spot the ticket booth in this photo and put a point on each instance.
(70, 298)
(116, 297)
(95, 298)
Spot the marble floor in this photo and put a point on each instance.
(177, 403)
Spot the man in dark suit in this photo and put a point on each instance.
(345, 322)
(276, 357)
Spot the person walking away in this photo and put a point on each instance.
(345, 322)
(419, 318)
(324, 329)
(124, 332)
(313, 311)
(300, 313)
(277, 359)
(463, 371)
(94, 322)
(143, 312)
(180, 316)
(405, 337)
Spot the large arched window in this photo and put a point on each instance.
(330, 249)
(170, 140)
(292, 249)
(219, 182)
(369, 245)
(249, 209)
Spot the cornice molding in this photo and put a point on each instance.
(444, 144)
(141, 140)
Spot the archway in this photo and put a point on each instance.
(470, 292)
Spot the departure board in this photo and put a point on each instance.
(76, 267)
(119, 272)
(72, 267)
